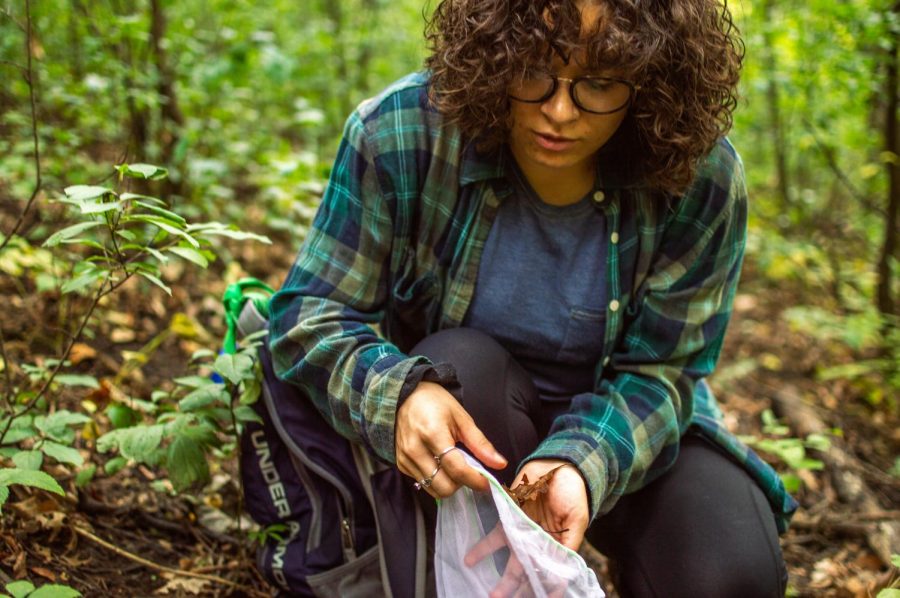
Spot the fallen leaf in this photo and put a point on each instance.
(43, 572)
(122, 335)
(178, 585)
(81, 352)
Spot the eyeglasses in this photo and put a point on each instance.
(597, 95)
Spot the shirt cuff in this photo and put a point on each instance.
(439, 373)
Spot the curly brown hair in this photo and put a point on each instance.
(685, 54)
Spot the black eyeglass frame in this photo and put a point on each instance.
(632, 91)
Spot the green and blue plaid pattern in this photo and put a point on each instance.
(393, 255)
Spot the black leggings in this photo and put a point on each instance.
(702, 530)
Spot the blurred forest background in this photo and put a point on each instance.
(117, 448)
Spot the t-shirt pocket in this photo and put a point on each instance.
(583, 342)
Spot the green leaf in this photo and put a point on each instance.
(156, 253)
(77, 380)
(100, 207)
(234, 368)
(166, 226)
(62, 453)
(84, 477)
(138, 442)
(36, 479)
(53, 590)
(163, 213)
(121, 416)
(191, 255)
(203, 396)
(57, 422)
(4, 496)
(20, 589)
(143, 171)
(217, 228)
(69, 232)
(155, 281)
(889, 592)
(31, 460)
(114, 465)
(186, 462)
(245, 413)
(88, 278)
(81, 193)
(252, 389)
(895, 560)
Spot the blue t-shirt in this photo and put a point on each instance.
(541, 291)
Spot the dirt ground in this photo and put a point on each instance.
(122, 537)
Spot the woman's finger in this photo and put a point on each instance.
(494, 541)
(512, 580)
(460, 473)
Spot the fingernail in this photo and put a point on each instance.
(500, 457)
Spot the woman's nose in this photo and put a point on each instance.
(560, 107)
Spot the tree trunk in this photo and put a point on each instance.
(171, 118)
(773, 104)
(886, 303)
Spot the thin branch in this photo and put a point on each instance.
(31, 403)
(7, 395)
(30, 79)
(176, 572)
(840, 174)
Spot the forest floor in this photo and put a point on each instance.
(119, 536)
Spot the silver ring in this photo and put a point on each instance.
(444, 452)
(426, 482)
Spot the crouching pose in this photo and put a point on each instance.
(529, 251)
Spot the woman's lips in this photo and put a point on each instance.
(552, 142)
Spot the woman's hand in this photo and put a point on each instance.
(563, 510)
(430, 421)
(563, 513)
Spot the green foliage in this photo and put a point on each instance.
(190, 425)
(26, 589)
(789, 450)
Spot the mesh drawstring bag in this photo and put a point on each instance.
(467, 516)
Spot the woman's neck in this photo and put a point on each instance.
(555, 186)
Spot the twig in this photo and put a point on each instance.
(7, 371)
(30, 79)
(178, 573)
(34, 400)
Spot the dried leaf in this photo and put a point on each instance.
(181, 585)
(44, 572)
(81, 352)
(526, 491)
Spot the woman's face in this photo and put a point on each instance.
(555, 137)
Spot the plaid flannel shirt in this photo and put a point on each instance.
(396, 244)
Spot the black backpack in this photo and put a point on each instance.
(351, 525)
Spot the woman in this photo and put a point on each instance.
(548, 226)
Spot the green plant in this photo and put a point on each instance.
(26, 589)
(120, 235)
(200, 417)
(789, 450)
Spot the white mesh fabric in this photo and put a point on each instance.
(467, 516)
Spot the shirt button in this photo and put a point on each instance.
(613, 305)
(599, 196)
(614, 238)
